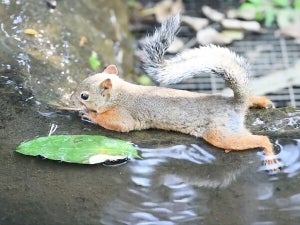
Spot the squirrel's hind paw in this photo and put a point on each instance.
(260, 102)
(272, 164)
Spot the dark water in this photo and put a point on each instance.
(179, 180)
(193, 185)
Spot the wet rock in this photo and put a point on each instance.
(281, 122)
(50, 59)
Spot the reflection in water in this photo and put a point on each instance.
(160, 199)
(291, 159)
(6, 2)
(289, 205)
(188, 184)
(191, 153)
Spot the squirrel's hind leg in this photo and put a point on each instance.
(229, 141)
(237, 141)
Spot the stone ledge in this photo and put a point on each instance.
(276, 123)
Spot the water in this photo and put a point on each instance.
(179, 180)
(193, 185)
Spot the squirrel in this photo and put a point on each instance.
(118, 105)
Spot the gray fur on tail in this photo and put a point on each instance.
(193, 62)
(154, 47)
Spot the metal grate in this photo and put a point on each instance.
(266, 53)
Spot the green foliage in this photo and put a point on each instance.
(131, 3)
(248, 8)
(256, 2)
(83, 149)
(259, 16)
(144, 80)
(270, 16)
(283, 12)
(281, 3)
(94, 61)
(297, 4)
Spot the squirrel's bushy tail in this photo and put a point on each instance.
(190, 63)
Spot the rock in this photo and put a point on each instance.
(53, 60)
(276, 123)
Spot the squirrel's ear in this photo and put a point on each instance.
(111, 69)
(106, 84)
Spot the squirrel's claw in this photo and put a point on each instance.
(271, 164)
(84, 114)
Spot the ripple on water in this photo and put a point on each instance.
(160, 199)
(158, 194)
(192, 153)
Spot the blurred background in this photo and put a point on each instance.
(266, 32)
(48, 47)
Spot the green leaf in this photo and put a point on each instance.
(144, 80)
(247, 11)
(270, 17)
(94, 61)
(281, 3)
(259, 16)
(247, 6)
(297, 4)
(83, 149)
(256, 2)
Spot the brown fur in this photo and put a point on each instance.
(121, 106)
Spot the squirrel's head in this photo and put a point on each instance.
(94, 93)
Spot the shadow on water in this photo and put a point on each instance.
(190, 184)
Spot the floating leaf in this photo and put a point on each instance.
(83, 149)
(94, 61)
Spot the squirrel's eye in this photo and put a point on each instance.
(84, 96)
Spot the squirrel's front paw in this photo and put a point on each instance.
(85, 116)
